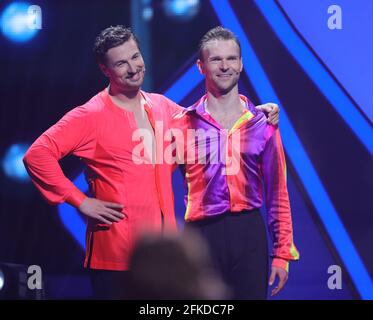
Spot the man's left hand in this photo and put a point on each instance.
(283, 277)
(271, 110)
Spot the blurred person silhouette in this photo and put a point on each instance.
(174, 267)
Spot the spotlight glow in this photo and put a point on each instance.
(20, 21)
(182, 10)
(13, 165)
(1, 280)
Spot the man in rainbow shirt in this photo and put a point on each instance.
(226, 172)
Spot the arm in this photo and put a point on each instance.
(69, 135)
(278, 208)
(73, 134)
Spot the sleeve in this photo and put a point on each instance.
(277, 202)
(174, 107)
(73, 134)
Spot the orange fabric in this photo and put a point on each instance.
(100, 133)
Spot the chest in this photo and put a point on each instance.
(118, 135)
(247, 141)
(226, 121)
(142, 121)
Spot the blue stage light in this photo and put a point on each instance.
(70, 216)
(182, 10)
(13, 165)
(20, 21)
(326, 84)
(298, 156)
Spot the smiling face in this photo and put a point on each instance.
(124, 67)
(221, 65)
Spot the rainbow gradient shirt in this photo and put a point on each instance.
(238, 169)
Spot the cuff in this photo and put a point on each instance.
(281, 263)
(76, 198)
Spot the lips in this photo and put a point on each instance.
(135, 76)
(224, 75)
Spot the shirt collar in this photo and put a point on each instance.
(199, 106)
(148, 105)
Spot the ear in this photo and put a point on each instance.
(201, 66)
(104, 70)
(241, 65)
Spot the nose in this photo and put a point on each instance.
(224, 65)
(131, 67)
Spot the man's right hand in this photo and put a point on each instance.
(103, 211)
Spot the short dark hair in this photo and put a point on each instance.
(217, 33)
(112, 37)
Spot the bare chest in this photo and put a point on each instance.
(227, 121)
(146, 131)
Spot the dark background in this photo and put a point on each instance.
(55, 71)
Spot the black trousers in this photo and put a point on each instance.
(239, 251)
(106, 284)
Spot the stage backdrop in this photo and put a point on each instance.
(311, 57)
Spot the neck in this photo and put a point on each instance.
(125, 100)
(224, 103)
